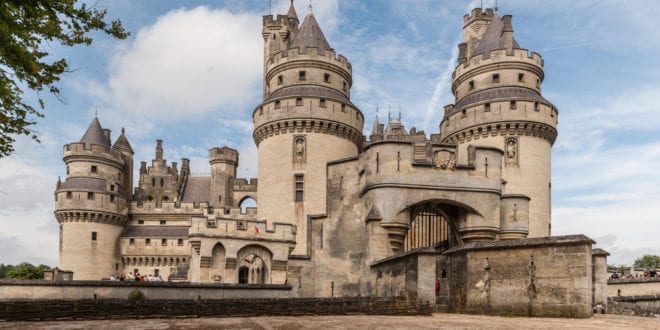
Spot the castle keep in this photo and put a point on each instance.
(341, 214)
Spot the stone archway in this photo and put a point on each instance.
(254, 263)
(433, 224)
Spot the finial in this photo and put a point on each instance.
(376, 106)
(123, 131)
(96, 111)
(309, 9)
(496, 6)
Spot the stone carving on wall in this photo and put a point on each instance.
(299, 149)
(444, 159)
(511, 151)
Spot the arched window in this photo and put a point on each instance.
(247, 202)
(243, 275)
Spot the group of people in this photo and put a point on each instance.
(647, 274)
(137, 278)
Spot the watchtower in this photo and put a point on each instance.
(91, 204)
(224, 162)
(498, 103)
(305, 120)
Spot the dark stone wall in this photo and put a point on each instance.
(101, 309)
(646, 305)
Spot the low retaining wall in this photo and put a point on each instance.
(633, 286)
(20, 310)
(73, 290)
(645, 305)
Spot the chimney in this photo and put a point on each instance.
(159, 149)
(507, 34)
(107, 134)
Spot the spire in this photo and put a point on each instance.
(292, 12)
(122, 143)
(375, 129)
(95, 134)
(310, 35)
(497, 36)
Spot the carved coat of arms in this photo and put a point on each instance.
(444, 159)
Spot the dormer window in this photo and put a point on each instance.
(302, 75)
(112, 187)
(496, 78)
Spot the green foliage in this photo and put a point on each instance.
(135, 295)
(619, 268)
(24, 28)
(4, 269)
(648, 261)
(26, 271)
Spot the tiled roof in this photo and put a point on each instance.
(84, 184)
(122, 143)
(198, 189)
(91, 184)
(309, 90)
(155, 231)
(310, 35)
(95, 134)
(499, 93)
(492, 38)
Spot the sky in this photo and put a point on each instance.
(190, 74)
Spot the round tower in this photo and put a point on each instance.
(224, 162)
(305, 120)
(498, 103)
(91, 204)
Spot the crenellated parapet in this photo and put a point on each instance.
(245, 185)
(80, 151)
(236, 226)
(223, 155)
(90, 216)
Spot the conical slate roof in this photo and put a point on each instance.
(292, 11)
(492, 38)
(310, 35)
(95, 134)
(122, 143)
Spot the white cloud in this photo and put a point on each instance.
(188, 63)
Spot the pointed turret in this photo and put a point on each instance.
(293, 17)
(498, 35)
(122, 143)
(376, 130)
(310, 35)
(95, 134)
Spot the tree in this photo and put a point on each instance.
(24, 28)
(26, 271)
(4, 269)
(648, 261)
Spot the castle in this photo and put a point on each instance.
(340, 214)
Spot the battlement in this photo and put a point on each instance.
(478, 13)
(241, 227)
(223, 155)
(309, 54)
(92, 150)
(243, 184)
(170, 207)
(499, 56)
(270, 20)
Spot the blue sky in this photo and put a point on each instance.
(190, 74)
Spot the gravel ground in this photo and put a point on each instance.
(361, 322)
